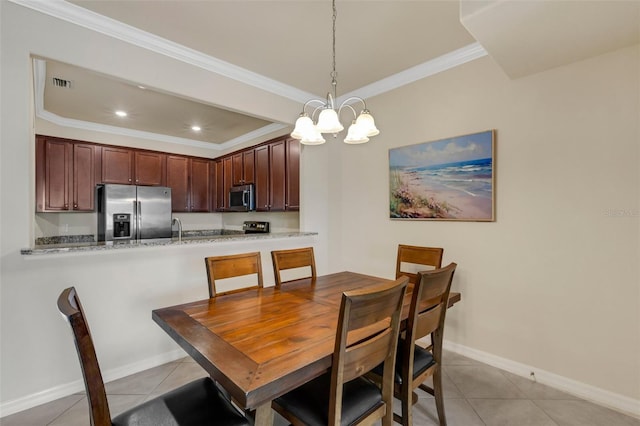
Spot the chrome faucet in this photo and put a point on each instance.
(177, 220)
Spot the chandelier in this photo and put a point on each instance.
(328, 116)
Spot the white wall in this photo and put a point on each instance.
(554, 283)
(120, 288)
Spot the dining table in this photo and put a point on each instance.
(259, 344)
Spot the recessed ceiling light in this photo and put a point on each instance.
(196, 128)
(121, 113)
(142, 87)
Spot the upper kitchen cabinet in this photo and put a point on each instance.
(243, 167)
(117, 165)
(66, 174)
(292, 197)
(277, 175)
(190, 180)
(133, 167)
(223, 173)
(149, 168)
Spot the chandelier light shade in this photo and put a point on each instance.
(328, 116)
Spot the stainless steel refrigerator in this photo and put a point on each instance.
(129, 212)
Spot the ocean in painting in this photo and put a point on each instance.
(474, 177)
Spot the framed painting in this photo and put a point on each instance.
(447, 179)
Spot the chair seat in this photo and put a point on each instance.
(197, 403)
(422, 359)
(310, 402)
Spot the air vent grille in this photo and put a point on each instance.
(61, 82)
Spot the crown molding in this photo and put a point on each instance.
(426, 69)
(93, 21)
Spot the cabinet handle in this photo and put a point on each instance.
(75, 207)
(129, 180)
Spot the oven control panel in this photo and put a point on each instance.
(255, 227)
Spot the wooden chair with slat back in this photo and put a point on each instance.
(290, 259)
(230, 266)
(416, 255)
(367, 334)
(196, 403)
(415, 364)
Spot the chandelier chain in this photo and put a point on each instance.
(334, 74)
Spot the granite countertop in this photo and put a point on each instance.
(86, 243)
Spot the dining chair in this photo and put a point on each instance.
(231, 266)
(414, 364)
(367, 335)
(196, 403)
(416, 255)
(290, 259)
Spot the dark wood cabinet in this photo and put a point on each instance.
(117, 165)
(190, 182)
(65, 175)
(243, 165)
(262, 192)
(178, 181)
(277, 176)
(67, 172)
(200, 186)
(292, 200)
(150, 168)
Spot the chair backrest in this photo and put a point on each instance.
(367, 335)
(416, 255)
(70, 307)
(294, 258)
(428, 309)
(235, 265)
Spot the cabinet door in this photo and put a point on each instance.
(150, 168)
(84, 176)
(200, 189)
(237, 172)
(117, 165)
(277, 181)
(220, 198)
(262, 178)
(248, 166)
(178, 181)
(292, 201)
(53, 174)
(227, 179)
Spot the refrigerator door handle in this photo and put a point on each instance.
(139, 218)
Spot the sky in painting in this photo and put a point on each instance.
(444, 151)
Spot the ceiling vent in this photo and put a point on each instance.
(60, 82)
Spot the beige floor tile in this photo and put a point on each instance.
(583, 413)
(42, 414)
(449, 389)
(482, 382)
(78, 415)
(534, 390)
(457, 411)
(183, 374)
(510, 412)
(141, 383)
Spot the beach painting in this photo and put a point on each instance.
(447, 179)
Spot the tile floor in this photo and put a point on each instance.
(475, 394)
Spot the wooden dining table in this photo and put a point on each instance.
(260, 344)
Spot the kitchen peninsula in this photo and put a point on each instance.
(189, 238)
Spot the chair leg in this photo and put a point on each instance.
(437, 393)
(406, 402)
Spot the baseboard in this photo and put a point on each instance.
(603, 397)
(57, 392)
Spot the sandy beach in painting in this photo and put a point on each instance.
(438, 194)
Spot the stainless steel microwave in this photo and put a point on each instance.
(241, 198)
